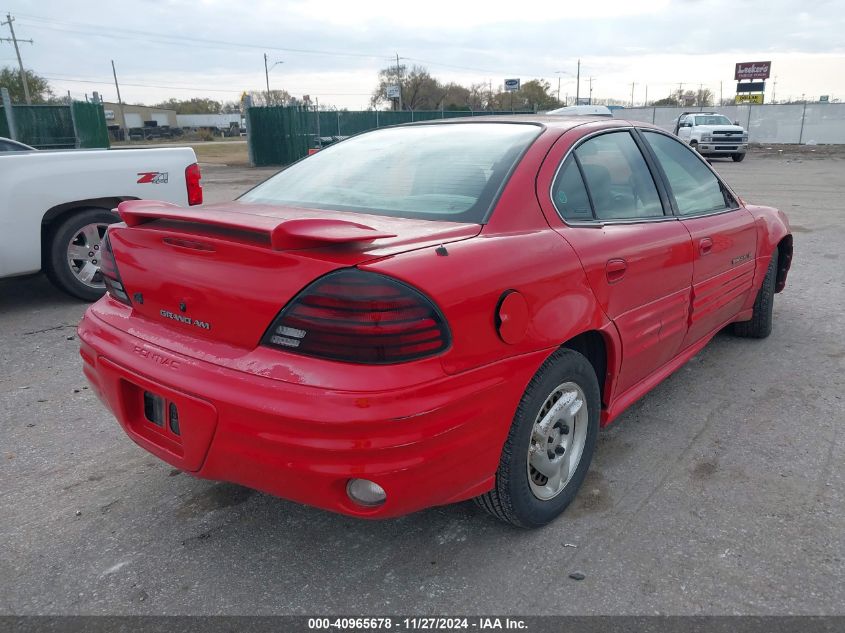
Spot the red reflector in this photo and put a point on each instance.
(360, 317)
(192, 181)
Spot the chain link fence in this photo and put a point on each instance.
(56, 126)
(801, 123)
(280, 135)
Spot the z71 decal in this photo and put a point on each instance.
(154, 177)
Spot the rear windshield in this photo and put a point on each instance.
(713, 119)
(447, 172)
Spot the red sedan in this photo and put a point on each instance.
(427, 313)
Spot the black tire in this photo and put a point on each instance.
(56, 263)
(512, 499)
(760, 324)
(738, 158)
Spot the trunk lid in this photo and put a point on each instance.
(224, 272)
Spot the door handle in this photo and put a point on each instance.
(705, 245)
(615, 270)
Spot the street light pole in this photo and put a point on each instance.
(267, 76)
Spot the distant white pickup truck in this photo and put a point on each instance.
(55, 206)
(712, 134)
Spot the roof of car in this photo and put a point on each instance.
(555, 121)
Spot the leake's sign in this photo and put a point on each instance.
(752, 70)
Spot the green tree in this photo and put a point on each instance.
(39, 88)
(191, 106)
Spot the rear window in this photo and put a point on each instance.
(450, 172)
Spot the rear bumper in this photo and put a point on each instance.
(426, 445)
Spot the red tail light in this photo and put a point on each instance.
(192, 181)
(360, 317)
(111, 277)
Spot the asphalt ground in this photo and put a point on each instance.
(721, 492)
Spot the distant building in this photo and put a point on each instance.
(136, 115)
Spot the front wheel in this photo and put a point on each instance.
(73, 258)
(550, 445)
(738, 158)
(760, 324)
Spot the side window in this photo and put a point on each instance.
(618, 179)
(695, 188)
(569, 194)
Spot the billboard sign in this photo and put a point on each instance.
(393, 92)
(749, 98)
(824, 99)
(752, 70)
(511, 85)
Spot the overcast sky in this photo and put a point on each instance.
(333, 49)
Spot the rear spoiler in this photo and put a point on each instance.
(283, 234)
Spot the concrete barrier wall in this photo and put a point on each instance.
(813, 123)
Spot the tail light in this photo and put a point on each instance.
(111, 277)
(360, 317)
(192, 181)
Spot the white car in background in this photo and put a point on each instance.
(713, 135)
(55, 206)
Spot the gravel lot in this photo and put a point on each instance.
(719, 492)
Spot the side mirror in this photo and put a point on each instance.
(736, 122)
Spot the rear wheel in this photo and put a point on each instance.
(738, 158)
(73, 258)
(550, 445)
(760, 324)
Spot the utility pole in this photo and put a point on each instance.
(119, 103)
(721, 98)
(591, 91)
(774, 87)
(646, 96)
(399, 81)
(14, 40)
(267, 79)
(578, 82)
(632, 93)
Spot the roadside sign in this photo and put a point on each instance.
(511, 85)
(393, 92)
(751, 86)
(749, 98)
(752, 70)
(824, 99)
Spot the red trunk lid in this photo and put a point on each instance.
(224, 272)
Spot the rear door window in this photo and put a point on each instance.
(618, 179)
(569, 193)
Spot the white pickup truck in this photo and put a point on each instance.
(712, 134)
(55, 206)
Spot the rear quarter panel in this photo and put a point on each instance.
(32, 183)
(772, 229)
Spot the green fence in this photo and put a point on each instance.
(57, 126)
(281, 135)
(90, 122)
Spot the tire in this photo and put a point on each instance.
(519, 495)
(738, 158)
(760, 324)
(80, 235)
(694, 145)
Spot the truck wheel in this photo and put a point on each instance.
(550, 445)
(73, 258)
(760, 324)
(738, 158)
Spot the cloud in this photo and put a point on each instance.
(334, 48)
